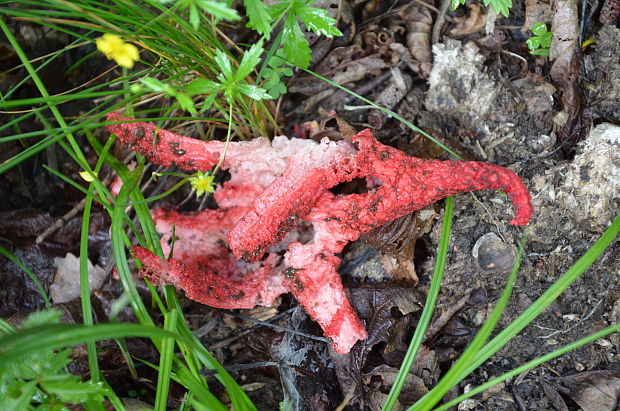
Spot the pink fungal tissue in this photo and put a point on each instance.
(278, 228)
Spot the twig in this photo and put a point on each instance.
(495, 222)
(225, 342)
(69, 215)
(584, 319)
(441, 17)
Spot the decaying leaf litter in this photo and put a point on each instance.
(487, 99)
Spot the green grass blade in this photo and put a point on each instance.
(32, 276)
(547, 297)
(165, 363)
(118, 248)
(198, 389)
(43, 90)
(427, 312)
(25, 342)
(5, 327)
(116, 402)
(52, 101)
(531, 364)
(87, 313)
(455, 374)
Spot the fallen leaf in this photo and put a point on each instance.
(594, 390)
(536, 11)
(474, 21)
(25, 222)
(554, 396)
(381, 378)
(66, 285)
(419, 24)
(566, 54)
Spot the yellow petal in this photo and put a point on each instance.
(132, 51)
(108, 44)
(124, 61)
(87, 176)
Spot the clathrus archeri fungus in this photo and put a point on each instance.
(279, 229)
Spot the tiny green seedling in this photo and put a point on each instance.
(274, 74)
(539, 44)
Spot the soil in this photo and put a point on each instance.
(485, 97)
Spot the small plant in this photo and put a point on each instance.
(202, 183)
(539, 44)
(274, 72)
(264, 18)
(43, 381)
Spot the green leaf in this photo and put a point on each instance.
(500, 6)
(294, 43)
(219, 10)
(69, 388)
(540, 52)
(202, 86)
(42, 318)
(277, 10)
(455, 4)
(186, 103)
(277, 90)
(545, 40)
(250, 59)
(253, 92)
(316, 20)
(278, 60)
(286, 72)
(208, 102)
(259, 17)
(194, 17)
(154, 85)
(539, 28)
(222, 61)
(19, 396)
(270, 73)
(27, 342)
(533, 43)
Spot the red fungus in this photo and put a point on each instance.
(275, 185)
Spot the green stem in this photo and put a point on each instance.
(429, 307)
(228, 137)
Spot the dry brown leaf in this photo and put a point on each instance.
(554, 396)
(535, 11)
(419, 24)
(358, 69)
(380, 379)
(398, 86)
(594, 390)
(473, 22)
(565, 52)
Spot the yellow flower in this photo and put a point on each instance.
(114, 47)
(87, 176)
(202, 183)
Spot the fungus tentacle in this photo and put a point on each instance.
(273, 186)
